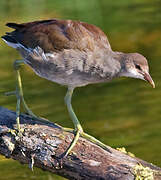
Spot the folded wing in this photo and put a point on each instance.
(56, 35)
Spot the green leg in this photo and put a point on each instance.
(18, 112)
(19, 93)
(17, 66)
(78, 128)
(89, 137)
(31, 113)
(20, 97)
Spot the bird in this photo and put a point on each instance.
(71, 53)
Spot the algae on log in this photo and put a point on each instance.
(43, 144)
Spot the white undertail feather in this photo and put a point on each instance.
(16, 45)
(38, 50)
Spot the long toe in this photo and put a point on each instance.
(74, 142)
(95, 141)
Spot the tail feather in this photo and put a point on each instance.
(15, 26)
(9, 38)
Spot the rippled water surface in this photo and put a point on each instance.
(125, 112)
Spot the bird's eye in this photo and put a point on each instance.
(137, 66)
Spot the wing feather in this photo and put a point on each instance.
(57, 35)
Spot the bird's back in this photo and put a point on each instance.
(57, 35)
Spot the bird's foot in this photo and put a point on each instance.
(31, 114)
(78, 131)
(95, 141)
(16, 132)
(88, 137)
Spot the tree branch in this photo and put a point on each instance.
(42, 145)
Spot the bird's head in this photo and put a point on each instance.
(136, 66)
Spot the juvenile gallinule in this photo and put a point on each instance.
(74, 54)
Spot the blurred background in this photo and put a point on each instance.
(123, 113)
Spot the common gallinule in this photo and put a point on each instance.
(74, 54)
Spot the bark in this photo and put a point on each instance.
(43, 145)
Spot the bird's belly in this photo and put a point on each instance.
(72, 76)
(71, 68)
(74, 79)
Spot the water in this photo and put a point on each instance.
(127, 111)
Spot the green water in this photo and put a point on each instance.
(125, 112)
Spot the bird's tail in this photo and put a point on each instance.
(10, 41)
(10, 37)
(15, 26)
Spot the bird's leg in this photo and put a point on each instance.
(78, 128)
(19, 92)
(77, 125)
(20, 97)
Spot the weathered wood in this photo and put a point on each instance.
(42, 145)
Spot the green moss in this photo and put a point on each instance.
(123, 150)
(143, 173)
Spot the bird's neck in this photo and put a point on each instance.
(119, 59)
(111, 65)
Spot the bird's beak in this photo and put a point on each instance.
(149, 79)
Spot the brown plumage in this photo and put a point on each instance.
(56, 35)
(74, 54)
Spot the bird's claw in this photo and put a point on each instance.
(15, 132)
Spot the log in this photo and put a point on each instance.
(43, 144)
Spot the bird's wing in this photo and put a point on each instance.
(57, 35)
